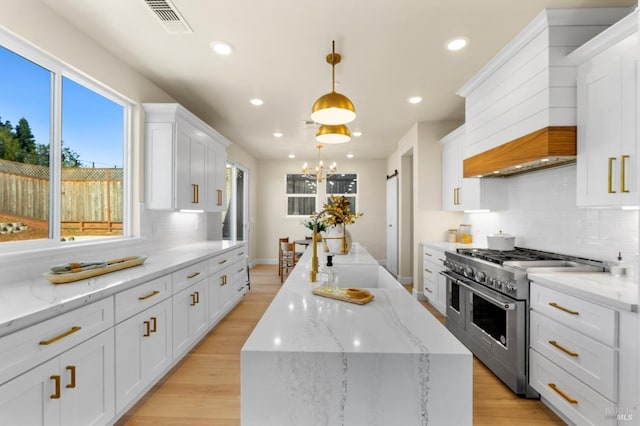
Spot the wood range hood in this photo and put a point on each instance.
(544, 148)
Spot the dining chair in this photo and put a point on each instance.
(280, 241)
(289, 258)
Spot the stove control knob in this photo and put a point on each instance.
(499, 284)
(481, 277)
(511, 287)
(468, 271)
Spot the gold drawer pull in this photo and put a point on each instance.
(222, 261)
(154, 324)
(562, 394)
(427, 270)
(426, 253)
(194, 198)
(153, 293)
(623, 183)
(193, 299)
(563, 349)
(240, 270)
(430, 291)
(60, 336)
(195, 274)
(72, 381)
(569, 311)
(147, 326)
(241, 253)
(56, 392)
(219, 197)
(610, 176)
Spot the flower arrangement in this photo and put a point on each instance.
(312, 223)
(338, 211)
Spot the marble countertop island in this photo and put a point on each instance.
(318, 361)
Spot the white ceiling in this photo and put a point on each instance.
(391, 50)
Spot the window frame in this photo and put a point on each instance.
(58, 70)
(354, 195)
(287, 196)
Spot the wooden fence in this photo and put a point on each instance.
(88, 195)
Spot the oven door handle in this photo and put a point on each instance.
(504, 305)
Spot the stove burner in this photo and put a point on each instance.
(498, 257)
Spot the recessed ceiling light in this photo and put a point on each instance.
(415, 100)
(292, 156)
(277, 134)
(221, 47)
(256, 101)
(349, 155)
(356, 134)
(456, 43)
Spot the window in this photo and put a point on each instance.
(346, 185)
(234, 217)
(301, 194)
(62, 151)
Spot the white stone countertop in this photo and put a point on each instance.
(445, 245)
(394, 322)
(600, 287)
(26, 302)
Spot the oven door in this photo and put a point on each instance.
(456, 304)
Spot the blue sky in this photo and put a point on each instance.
(91, 124)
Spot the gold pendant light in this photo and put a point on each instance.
(333, 134)
(333, 108)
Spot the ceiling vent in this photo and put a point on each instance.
(169, 16)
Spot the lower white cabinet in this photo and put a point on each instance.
(434, 284)
(189, 317)
(143, 351)
(75, 388)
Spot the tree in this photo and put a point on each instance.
(25, 137)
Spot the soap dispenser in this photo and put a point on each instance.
(618, 269)
(330, 275)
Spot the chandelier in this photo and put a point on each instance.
(320, 171)
(333, 110)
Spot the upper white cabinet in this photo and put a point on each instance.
(460, 193)
(185, 161)
(608, 135)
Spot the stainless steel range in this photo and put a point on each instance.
(488, 305)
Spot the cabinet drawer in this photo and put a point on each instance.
(187, 276)
(581, 404)
(221, 261)
(139, 298)
(593, 320)
(430, 289)
(588, 360)
(31, 346)
(436, 257)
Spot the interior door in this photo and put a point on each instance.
(392, 224)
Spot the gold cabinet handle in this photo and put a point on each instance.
(60, 336)
(194, 195)
(610, 176)
(147, 330)
(219, 197)
(623, 184)
(562, 348)
(557, 390)
(197, 297)
(222, 261)
(427, 270)
(56, 392)
(154, 324)
(426, 253)
(241, 253)
(193, 299)
(563, 309)
(195, 274)
(153, 293)
(72, 376)
(430, 291)
(240, 270)
(456, 196)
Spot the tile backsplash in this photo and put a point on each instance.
(543, 215)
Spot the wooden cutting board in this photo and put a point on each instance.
(341, 294)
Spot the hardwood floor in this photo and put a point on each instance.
(204, 388)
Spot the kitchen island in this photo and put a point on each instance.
(317, 361)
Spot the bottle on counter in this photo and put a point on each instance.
(329, 277)
(618, 269)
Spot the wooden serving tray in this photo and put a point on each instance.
(112, 265)
(341, 294)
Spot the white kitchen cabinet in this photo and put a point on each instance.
(434, 284)
(143, 351)
(185, 161)
(189, 317)
(216, 177)
(608, 132)
(74, 388)
(458, 193)
(579, 356)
